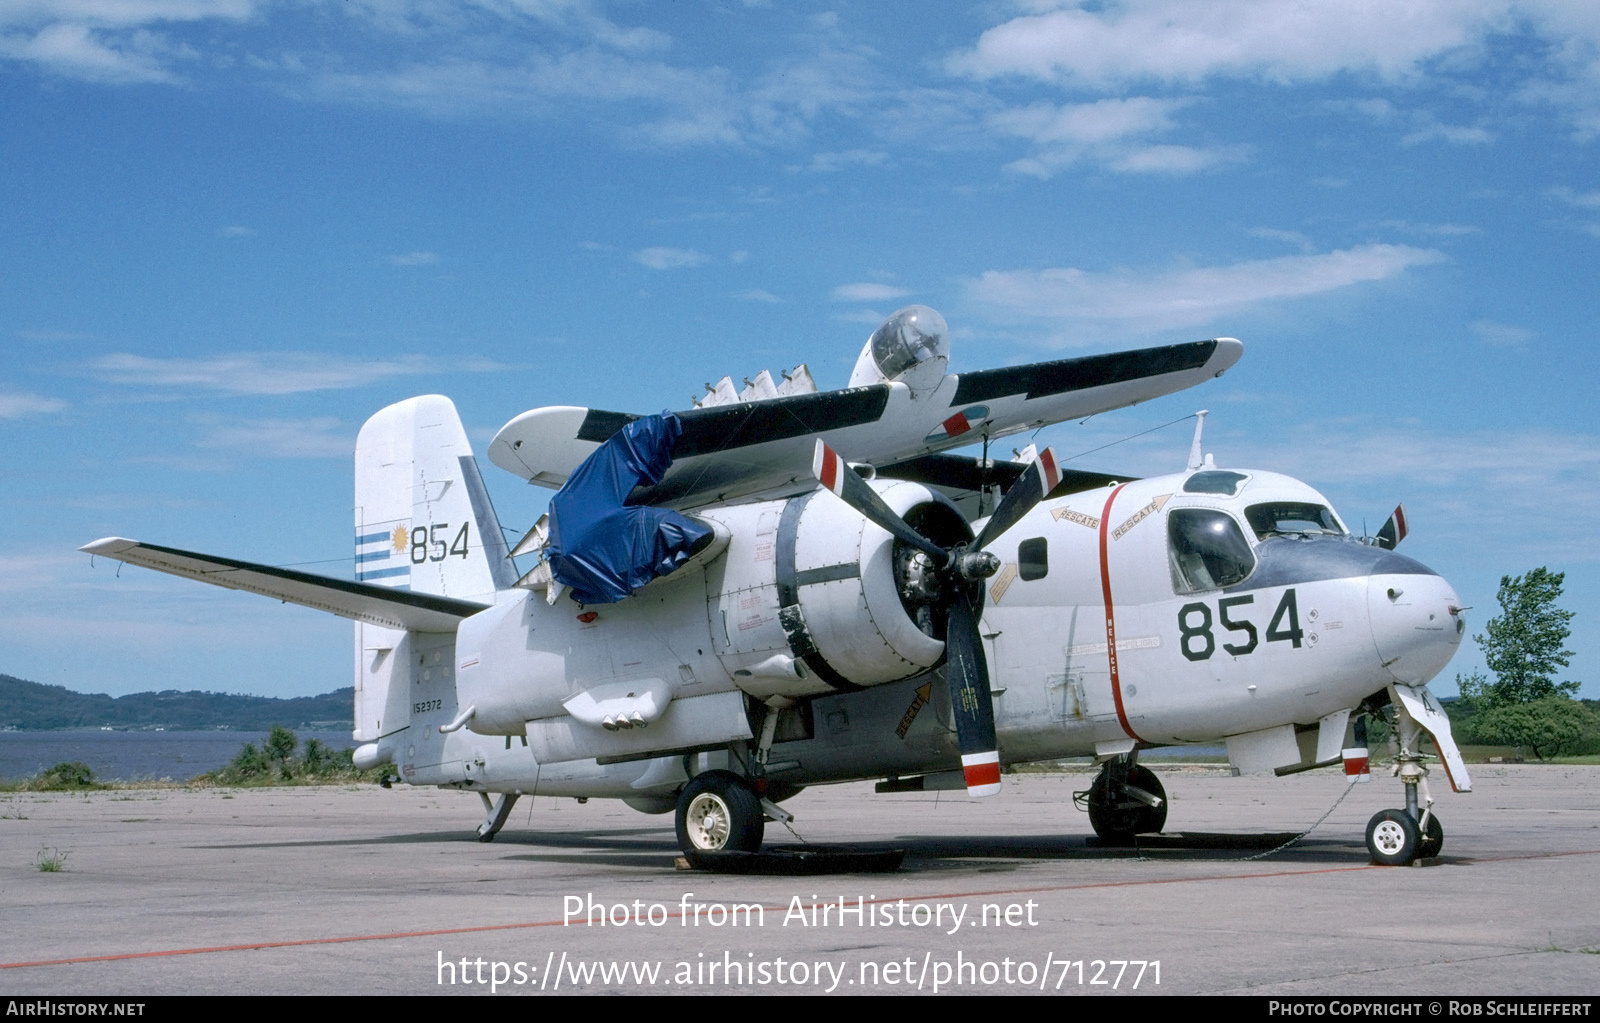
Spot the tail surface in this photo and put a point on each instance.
(423, 523)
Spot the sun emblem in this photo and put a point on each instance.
(399, 538)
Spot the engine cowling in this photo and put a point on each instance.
(811, 598)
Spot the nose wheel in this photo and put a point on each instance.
(1396, 838)
(718, 812)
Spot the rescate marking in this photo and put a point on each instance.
(1139, 516)
(924, 693)
(1003, 581)
(1075, 516)
(1111, 617)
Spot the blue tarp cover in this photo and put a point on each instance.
(603, 548)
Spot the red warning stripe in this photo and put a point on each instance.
(1050, 472)
(1111, 617)
(987, 773)
(826, 466)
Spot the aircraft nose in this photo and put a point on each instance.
(1416, 619)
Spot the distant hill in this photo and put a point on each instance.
(30, 705)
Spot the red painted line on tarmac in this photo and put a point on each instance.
(254, 946)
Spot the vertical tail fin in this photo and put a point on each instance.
(423, 522)
(422, 515)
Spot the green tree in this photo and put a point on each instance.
(1549, 726)
(1523, 647)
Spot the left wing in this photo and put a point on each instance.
(362, 602)
(763, 448)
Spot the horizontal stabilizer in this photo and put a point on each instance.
(362, 602)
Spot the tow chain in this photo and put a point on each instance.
(1263, 855)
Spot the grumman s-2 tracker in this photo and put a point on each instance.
(782, 587)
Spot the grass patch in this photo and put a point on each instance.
(67, 776)
(51, 860)
(283, 760)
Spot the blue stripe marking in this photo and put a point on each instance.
(372, 538)
(375, 556)
(383, 573)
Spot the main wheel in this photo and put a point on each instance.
(1432, 839)
(1393, 838)
(718, 811)
(1117, 821)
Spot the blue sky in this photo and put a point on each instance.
(233, 229)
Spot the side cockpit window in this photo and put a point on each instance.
(1208, 550)
(1291, 517)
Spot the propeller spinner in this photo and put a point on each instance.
(955, 568)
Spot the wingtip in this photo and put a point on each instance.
(109, 546)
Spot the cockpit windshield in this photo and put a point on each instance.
(1281, 518)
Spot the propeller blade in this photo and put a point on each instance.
(832, 472)
(1394, 530)
(972, 706)
(1041, 477)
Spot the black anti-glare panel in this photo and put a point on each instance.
(1040, 379)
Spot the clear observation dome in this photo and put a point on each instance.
(912, 346)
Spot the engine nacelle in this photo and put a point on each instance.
(812, 598)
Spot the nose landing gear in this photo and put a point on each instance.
(1396, 838)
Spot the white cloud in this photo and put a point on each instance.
(660, 258)
(1187, 296)
(827, 163)
(758, 295)
(1107, 120)
(1582, 200)
(1431, 230)
(106, 41)
(237, 231)
(1104, 132)
(1501, 335)
(1177, 41)
(867, 292)
(269, 372)
(415, 259)
(321, 437)
(1274, 234)
(15, 405)
(1454, 134)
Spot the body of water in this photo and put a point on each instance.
(136, 755)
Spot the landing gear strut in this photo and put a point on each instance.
(1396, 838)
(497, 812)
(717, 811)
(1125, 800)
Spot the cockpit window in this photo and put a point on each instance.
(1208, 550)
(1284, 517)
(1214, 481)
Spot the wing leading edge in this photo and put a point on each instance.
(759, 448)
(362, 602)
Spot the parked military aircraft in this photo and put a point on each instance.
(782, 587)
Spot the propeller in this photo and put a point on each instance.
(1394, 530)
(954, 570)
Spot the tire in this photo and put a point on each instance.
(1118, 825)
(1393, 838)
(718, 812)
(1432, 840)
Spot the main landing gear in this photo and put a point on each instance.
(1396, 838)
(718, 812)
(1125, 800)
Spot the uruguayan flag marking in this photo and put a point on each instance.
(381, 554)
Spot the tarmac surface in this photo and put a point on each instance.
(352, 890)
